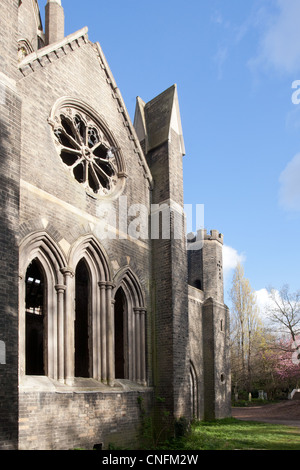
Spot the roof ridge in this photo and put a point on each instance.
(116, 94)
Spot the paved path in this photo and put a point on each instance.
(286, 412)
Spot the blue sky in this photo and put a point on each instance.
(234, 63)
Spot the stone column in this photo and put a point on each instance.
(102, 285)
(69, 326)
(143, 346)
(97, 336)
(110, 335)
(112, 345)
(51, 331)
(60, 289)
(140, 345)
(137, 344)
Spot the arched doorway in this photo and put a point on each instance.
(82, 321)
(35, 316)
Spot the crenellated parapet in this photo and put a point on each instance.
(202, 235)
(205, 262)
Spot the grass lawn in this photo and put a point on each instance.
(233, 434)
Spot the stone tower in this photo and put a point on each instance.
(209, 327)
(206, 265)
(159, 130)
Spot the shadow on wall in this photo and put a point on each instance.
(9, 217)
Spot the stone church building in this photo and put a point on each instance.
(106, 313)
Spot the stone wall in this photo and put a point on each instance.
(29, 23)
(210, 356)
(10, 115)
(57, 420)
(54, 203)
(196, 348)
(169, 260)
(216, 356)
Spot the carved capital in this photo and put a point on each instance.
(67, 271)
(60, 288)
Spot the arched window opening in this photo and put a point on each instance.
(82, 321)
(197, 284)
(194, 392)
(120, 335)
(35, 319)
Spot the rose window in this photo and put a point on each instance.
(86, 151)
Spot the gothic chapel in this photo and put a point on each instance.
(95, 321)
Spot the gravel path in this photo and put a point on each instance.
(285, 412)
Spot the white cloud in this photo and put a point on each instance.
(265, 304)
(217, 17)
(220, 59)
(230, 260)
(280, 42)
(262, 299)
(289, 192)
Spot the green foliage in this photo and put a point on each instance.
(229, 434)
(159, 431)
(253, 402)
(182, 427)
(233, 434)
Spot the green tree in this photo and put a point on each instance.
(245, 328)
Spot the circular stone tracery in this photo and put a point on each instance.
(86, 151)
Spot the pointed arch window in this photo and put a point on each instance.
(82, 327)
(35, 319)
(121, 343)
(74, 320)
(194, 392)
(130, 328)
(41, 312)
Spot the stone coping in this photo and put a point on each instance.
(30, 383)
(48, 51)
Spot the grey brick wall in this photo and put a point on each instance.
(10, 109)
(196, 348)
(28, 22)
(66, 421)
(217, 380)
(52, 201)
(8, 38)
(209, 328)
(169, 274)
(213, 266)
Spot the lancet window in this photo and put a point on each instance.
(75, 321)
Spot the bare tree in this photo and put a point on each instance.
(284, 311)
